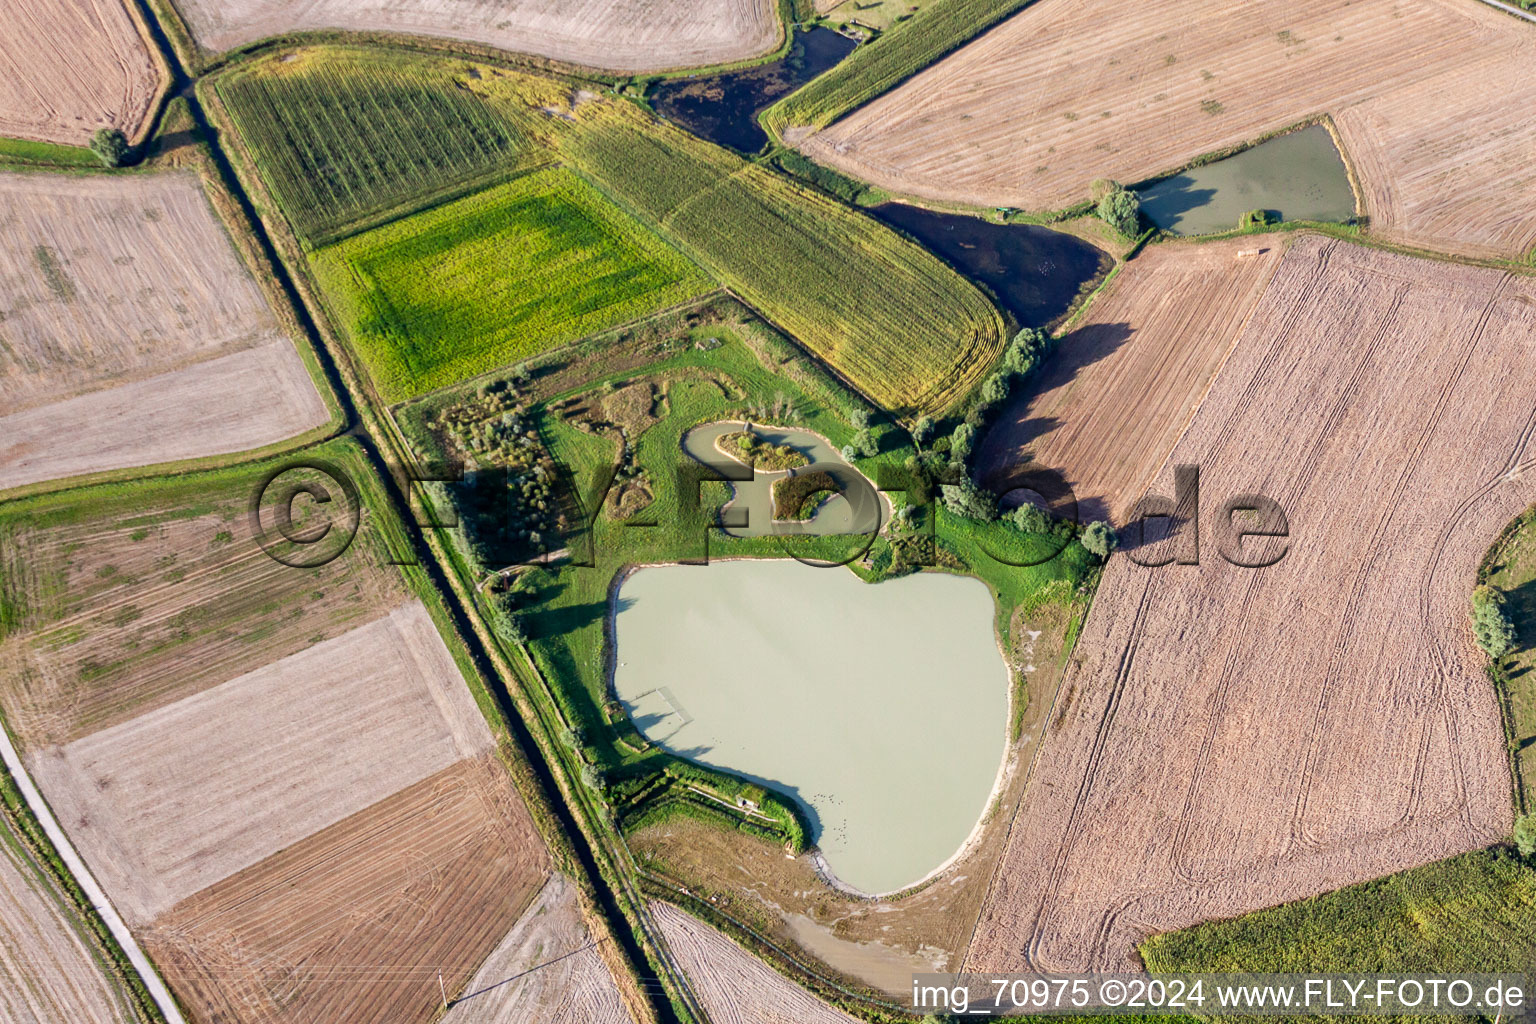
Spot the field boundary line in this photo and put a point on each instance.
(87, 882)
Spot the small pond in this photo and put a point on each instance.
(856, 511)
(881, 709)
(1034, 272)
(1299, 175)
(723, 108)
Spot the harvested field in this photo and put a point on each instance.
(1146, 92)
(48, 971)
(545, 970)
(733, 984)
(352, 924)
(1121, 388)
(113, 609)
(164, 804)
(123, 297)
(69, 67)
(617, 35)
(1232, 738)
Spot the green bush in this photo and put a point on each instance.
(110, 146)
(1121, 210)
(1099, 538)
(1525, 835)
(1491, 624)
(968, 501)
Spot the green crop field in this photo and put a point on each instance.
(340, 137)
(882, 311)
(494, 278)
(899, 53)
(1473, 913)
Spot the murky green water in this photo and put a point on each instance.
(856, 511)
(881, 708)
(1300, 176)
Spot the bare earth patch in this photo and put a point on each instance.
(545, 970)
(131, 332)
(733, 984)
(351, 925)
(618, 35)
(69, 67)
(1234, 738)
(1121, 388)
(179, 798)
(1033, 111)
(47, 971)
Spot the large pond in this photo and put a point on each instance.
(881, 709)
(749, 513)
(1299, 175)
(723, 108)
(1034, 272)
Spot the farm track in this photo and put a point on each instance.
(1165, 83)
(1293, 766)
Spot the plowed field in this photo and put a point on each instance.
(1232, 738)
(1060, 94)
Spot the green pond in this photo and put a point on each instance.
(1299, 175)
(880, 708)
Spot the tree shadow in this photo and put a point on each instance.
(1166, 203)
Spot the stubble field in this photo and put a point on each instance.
(132, 332)
(546, 969)
(733, 984)
(353, 923)
(1231, 738)
(69, 67)
(615, 35)
(1059, 95)
(1123, 385)
(48, 971)
(163, 805)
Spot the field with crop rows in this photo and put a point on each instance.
(1262, 735)
(616, 35)
(340, 136)
(495, 278)
(880, 310)
(1135, 367)
(69, 67)
(1473, 913)
(901, 51)
(131, 332)
(1145, 92)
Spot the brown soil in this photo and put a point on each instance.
(352, 925)
(1239, 737)
(546, 970)
(617, 35)
(876, 944)
(1142, 93)
(179, 798)
(47, 971)
(69, 67)
(733, 984)
(1121, 388)
(131, 332)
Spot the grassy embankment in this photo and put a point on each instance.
(885, 314)
(1472, 913)
(1510, 565)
